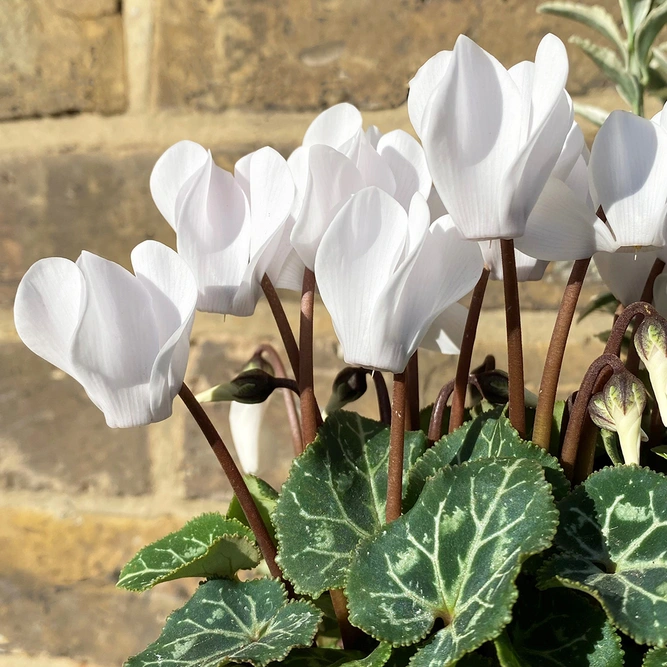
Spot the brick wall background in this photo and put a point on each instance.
(91, 92)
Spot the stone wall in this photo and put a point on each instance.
(91, 92)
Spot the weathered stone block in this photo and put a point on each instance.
(62, 204)
(305, 54)
(54, 439)
(61, 57)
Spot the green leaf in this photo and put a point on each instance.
(334, 497)
(226, 621)
(626, 84)
(613, 533)
(207, 546)
(633, 13)
(265, 497)
(656, 657)
(661, 450)
(454, 556)
(487, 436)
(592, 16)
(647, 33)
(377, 658)
(560, 628)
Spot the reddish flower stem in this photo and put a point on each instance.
(517, 407)
(311, 417)
(284, 328)
(412, 376)
(554, 360)
(396, 446)
(288, 398)
(632, 362)
(435, 425)
(465, 355)
(235, 478)
(384, 404)
(579, 413)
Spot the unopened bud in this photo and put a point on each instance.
(252, 386)
(494, 386)
(651, 345)
(348, 386)
(257, 361)
(619, 407)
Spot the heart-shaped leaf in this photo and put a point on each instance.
(656, 657)
(487, 436)
(207, 546)
(232, 621)
(454, 556)
(334, 497)
(560, 628)
(613, 539)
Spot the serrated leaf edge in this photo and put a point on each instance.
(244, 534)
(515, 591)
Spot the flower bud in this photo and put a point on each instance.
(348, 386)
(619, 407)
(494, 387)
(251, 386)
(651, 344)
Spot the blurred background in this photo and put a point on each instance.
(91, 93)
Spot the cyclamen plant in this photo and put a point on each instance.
(491, 532)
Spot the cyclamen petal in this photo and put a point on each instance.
(385, 276)
(625, 273)
(527, 268)
(445, 335)
(492, 137)
(245, 423)
(356, 257)
(335, 127)
(176, 165)
(125, 338)
(627, 178)
(230, 229)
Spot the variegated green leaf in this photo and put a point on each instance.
(232, 621)
(656, 657)
(334, 497)
(265, 497)
(647, 33)
(591, 113)
(592, 16)
(613, 539)
(633, 13)
(487, 436)
(454, 556)
(560, 628)
(207, 546)
(660, 450)
(377, 658)
(626, 84)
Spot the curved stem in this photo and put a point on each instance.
(435, 425)
(236, 481)
(465, 355)
(412, 376)
(286, 383)
(632, 362)
(384, 404)
(579, 411)
(396, 446)
(290, 406)
(311, 417)
(284, 328)
(517, 406)
(615, 340)
(554, 360)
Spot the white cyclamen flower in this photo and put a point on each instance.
(492, 136)
(337, 159)
(124, 337)
(245, 424)
(626, 175)
(231, 230)
(385, 275)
